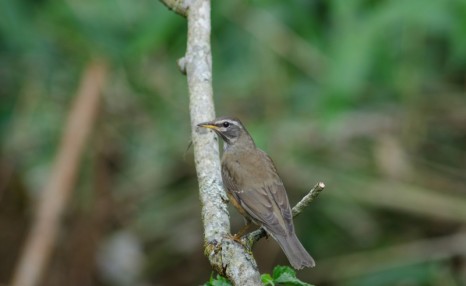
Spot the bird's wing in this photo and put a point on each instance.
(267, 207)
(265, 201)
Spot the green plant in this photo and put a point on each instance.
(281, 275)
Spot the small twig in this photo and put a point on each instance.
(249, 239)
(182, 65)
(178, 6)
(311, 196)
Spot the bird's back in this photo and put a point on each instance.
(249, 166)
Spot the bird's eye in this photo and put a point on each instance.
(226, 124)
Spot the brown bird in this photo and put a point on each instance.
(255, 189)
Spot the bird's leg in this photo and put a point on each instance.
(243, 230)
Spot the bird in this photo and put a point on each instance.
(255, 189)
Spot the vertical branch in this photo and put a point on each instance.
(226, 256)
(54, 197)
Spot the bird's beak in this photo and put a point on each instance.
(208, 125)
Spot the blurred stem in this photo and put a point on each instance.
(226, 256)
(372, 261)
(91, 223)
(283, 41)
(54, 197)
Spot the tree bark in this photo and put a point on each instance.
(227, 257)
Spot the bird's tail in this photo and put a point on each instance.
(294, 251)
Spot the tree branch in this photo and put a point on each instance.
(249, 239)
(54, 197)
(227, 257)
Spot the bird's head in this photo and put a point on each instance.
(229, 128)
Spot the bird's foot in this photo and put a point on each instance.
(240, 235)
(236, 237)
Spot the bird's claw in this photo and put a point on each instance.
(235, 237)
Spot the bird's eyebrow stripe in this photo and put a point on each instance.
(231, 122)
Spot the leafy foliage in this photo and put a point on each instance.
(282, 275)
(218, 281)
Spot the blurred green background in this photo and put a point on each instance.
(367, 96)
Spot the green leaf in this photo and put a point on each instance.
(287, 276)
(218, 281)
(282, 270)
(267, 279)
